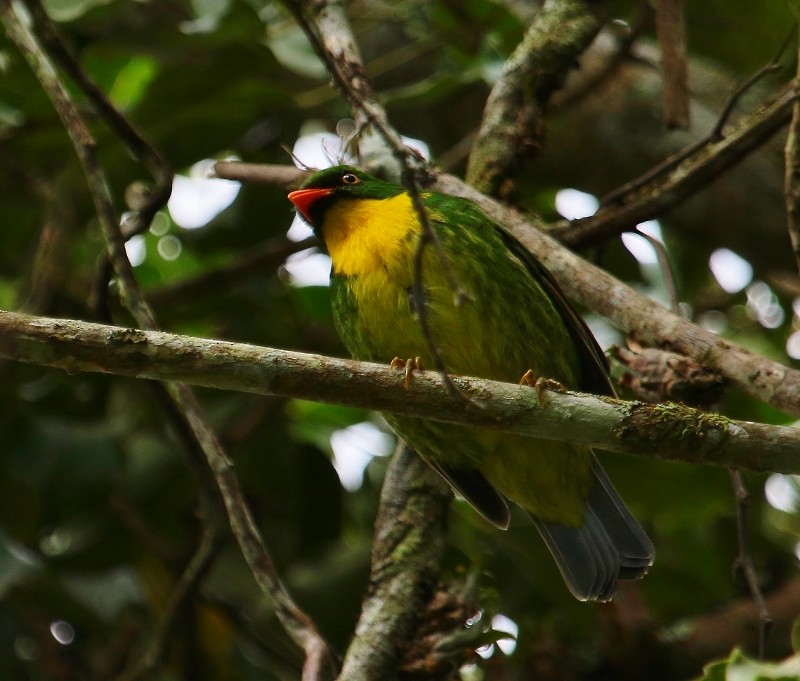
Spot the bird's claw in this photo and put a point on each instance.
(540, 384)
(410, 365)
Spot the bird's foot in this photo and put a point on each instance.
(540, 384)
(410, 365)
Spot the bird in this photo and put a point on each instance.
(512, 321)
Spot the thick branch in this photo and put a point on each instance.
(406, 556)
(667, 431)
(757, 376)
(648, 321)
(512, 118)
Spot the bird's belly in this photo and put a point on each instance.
(489, 336)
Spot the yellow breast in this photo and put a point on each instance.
(364, 236)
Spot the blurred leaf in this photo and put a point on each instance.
(131, 82)
(289, 45)
(314, 422)
(738, 667)
(17, 564)
(69, 10)
(107, 594)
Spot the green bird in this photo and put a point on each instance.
(515, 319)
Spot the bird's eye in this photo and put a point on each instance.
(350, 178)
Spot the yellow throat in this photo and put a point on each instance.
(368, 235)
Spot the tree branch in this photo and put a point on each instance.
(297, 624)
(671, 31)
(678, 177)
(761, 378)
(410, 539)
(643, 318)
(791, 186)
(512, 123)
(666, 431)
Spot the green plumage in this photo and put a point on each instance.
(515, 319)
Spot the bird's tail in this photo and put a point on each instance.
(608, 547)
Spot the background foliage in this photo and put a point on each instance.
(98, 509)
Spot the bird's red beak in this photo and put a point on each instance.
(303, 199)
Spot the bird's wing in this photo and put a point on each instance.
(477, 490)
(594, 365)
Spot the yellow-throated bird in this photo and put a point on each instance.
(516, 319)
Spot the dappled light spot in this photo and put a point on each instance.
(732, 272)
(781, 492)
(197, 198)
(354, 447)
(169, 247)
(793, 345)
(639, 247)
(574, 204)
(510, 627)
(136, 250)
(763, 305)
(307, 268)
(63, 632)
(715, 321)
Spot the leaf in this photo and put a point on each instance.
(739, 667)
(17, 564)
(131, 82)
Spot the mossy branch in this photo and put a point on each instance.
(512, 125)
(666, 431)
(409, 544)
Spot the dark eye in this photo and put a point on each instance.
(349, 178)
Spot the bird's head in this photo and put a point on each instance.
(332, 185)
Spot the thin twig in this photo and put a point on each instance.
(136, 143)
(745, 560)
(199, 563)
(677, 178)
(295, 621)
(671, 32)
(328, 30)
(791, 184)
(619, 194)
(665, 268)
(739, 91)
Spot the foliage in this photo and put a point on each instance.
(98, 508)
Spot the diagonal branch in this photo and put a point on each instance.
(760, 377)
(646, 320)
(512, 125)
(679, 177)
(791, 186)
(667, 431)
(329, 32)
(297, 624)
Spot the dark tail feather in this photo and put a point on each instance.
(609, 546)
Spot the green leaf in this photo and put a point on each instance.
(739, 667)
(69, 10)
(131, 82)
